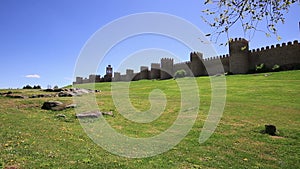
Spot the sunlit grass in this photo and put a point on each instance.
(34, 138)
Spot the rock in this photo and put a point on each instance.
(65, 94)
(33, 96)
(49, 90)
(110, 113)
(58, 90)
(40, 96)
(71, 106)
(60, 116)
(93, 114)
(270, 129)
(74, 92)
(16, 96)
(53, 105)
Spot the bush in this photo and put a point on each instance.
(37, 87)
(180, 73)
(260, 68)
(27, 87)
(276, 68)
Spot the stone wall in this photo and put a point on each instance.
(240, 60)
(167, 65)
(285, 55)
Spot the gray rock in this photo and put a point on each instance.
(65, 94)
(16, 96)
(93, 114)
(53, 105)
(71, 106)
(60, 116)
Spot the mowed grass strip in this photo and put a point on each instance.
(34, 138)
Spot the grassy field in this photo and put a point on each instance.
(34, 138)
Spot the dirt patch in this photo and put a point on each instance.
(277, 137)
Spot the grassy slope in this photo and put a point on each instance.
(35, 138)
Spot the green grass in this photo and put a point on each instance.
(34, 138)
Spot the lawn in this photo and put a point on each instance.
(34, 138)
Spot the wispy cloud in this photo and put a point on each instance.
(33, 76)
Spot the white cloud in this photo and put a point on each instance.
(33, 76)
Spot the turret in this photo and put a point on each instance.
(155, 71)
(129, 74)
(239, 56)
(144, 72)
(197, 66)
(117, 76)
(166, 68)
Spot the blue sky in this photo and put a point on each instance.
(41, 40)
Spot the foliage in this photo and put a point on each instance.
(36, 87)
(276, 68)
(260, 68)
(30, 87)
(250, 13)
(27, 87)
(180, 73)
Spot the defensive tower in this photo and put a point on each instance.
(166, 68)
(239, 56)
(155, 71)
(144, 72)
(197, 65)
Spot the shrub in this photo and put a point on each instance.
(27, 87)
(260, 68)
(276, 68)
(37, 87)
(180, 73)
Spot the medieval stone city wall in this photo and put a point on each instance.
(240, 60)
(286, 55)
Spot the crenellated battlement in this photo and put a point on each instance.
(167, 59)
(155, 65)
(238, 40)
(240, 60)
(182, 63)
(295, 43)
(217, 57)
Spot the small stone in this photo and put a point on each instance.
(71, 106)
(91, 114)
(110, 113)
(60, 116)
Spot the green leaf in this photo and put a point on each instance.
(279, 38)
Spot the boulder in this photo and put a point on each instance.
(16, 96)
(65, 94)
(53, 105)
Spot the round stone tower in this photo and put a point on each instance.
(239, 56)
